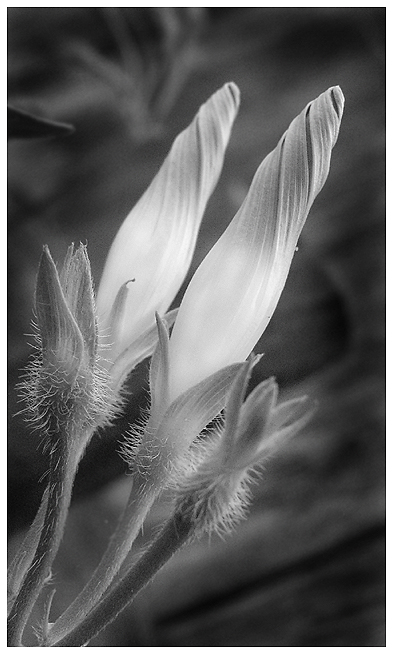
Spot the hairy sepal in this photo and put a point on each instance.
(161, 450)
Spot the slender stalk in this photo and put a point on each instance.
(139, 503)
(174, 534)
(23, 558)
(61, 477)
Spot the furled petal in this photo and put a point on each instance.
(155, 244)
(234, 292)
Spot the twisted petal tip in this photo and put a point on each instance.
(337, 98)
(234, 91)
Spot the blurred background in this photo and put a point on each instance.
(307, 567)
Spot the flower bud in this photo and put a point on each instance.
(155, 244)
(64, 388)
(63, 346)
(214, 484)
(235, 290)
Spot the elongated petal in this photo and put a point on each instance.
(234, 292)
(155, 244)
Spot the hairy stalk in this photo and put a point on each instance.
(139, 503)
(23, 558)
(62, 469)
(175, 533)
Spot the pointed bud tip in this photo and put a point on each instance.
(254, 359)
(305, 402)
(272, 390)
(161, 322)
(294, 413)
(234, 91)
(163, 331)
(268, 385)
(61, 339)
(46, 268)
(337, 98)
(46, 257)
(246, 369)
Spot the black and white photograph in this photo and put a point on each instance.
(196, 326)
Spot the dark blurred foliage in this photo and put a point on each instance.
(307, 568)
(22, 124)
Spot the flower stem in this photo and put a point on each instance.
(22, 561)
(61, 477)
(139, 503)
(173, 535)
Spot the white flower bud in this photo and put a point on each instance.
(154, 246)
(235, 290)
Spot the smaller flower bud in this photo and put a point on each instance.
(155, 244)
(264, 426)
(61, 339)
(214, 485)
(64, 388)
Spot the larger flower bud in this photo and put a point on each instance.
(235, 290)
(153, 248)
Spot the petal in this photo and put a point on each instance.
(156, 242)
(234, 292)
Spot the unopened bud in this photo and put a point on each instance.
(63, 386)
(213, 488)
(61, 339)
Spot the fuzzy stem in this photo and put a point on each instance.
(173, 535)
(23, 558)
(139, 503)
(61, 477)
